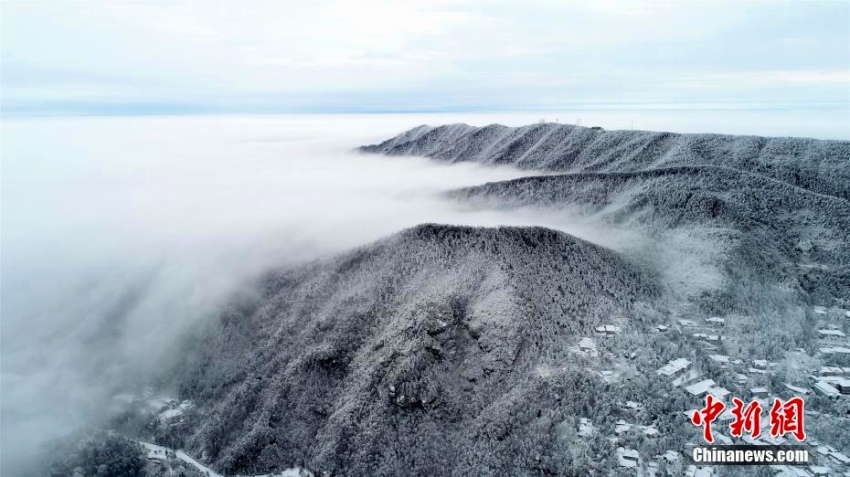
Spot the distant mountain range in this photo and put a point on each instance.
(818, 165)
(784, 203)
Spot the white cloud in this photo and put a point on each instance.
(227, 52)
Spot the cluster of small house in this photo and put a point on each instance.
(823, 311)
(827, 454)
(832, 381)
(170, 411)
(833, 341)
(630, 459)
(588, 345)
(166, 410)
(708, 333)
(680, 373)
(623, 430)
(608, 330)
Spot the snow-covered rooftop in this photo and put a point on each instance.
(627, 457)
(797, 389)
(701, 387)
(587, 343)
(719, 392)
(826, 389)
(673, 367)
(835, 350)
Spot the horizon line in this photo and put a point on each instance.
(170, 109)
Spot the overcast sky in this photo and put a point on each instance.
(274, 56)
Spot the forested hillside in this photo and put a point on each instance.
(781, 233)
(817, 165)
(418, 354)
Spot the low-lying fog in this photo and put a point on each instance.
(119, 233)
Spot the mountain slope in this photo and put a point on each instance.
(780, 234)
(817, 165)
(419, 354)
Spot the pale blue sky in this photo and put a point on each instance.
(163, 56)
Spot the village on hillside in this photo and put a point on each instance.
(822, 379)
